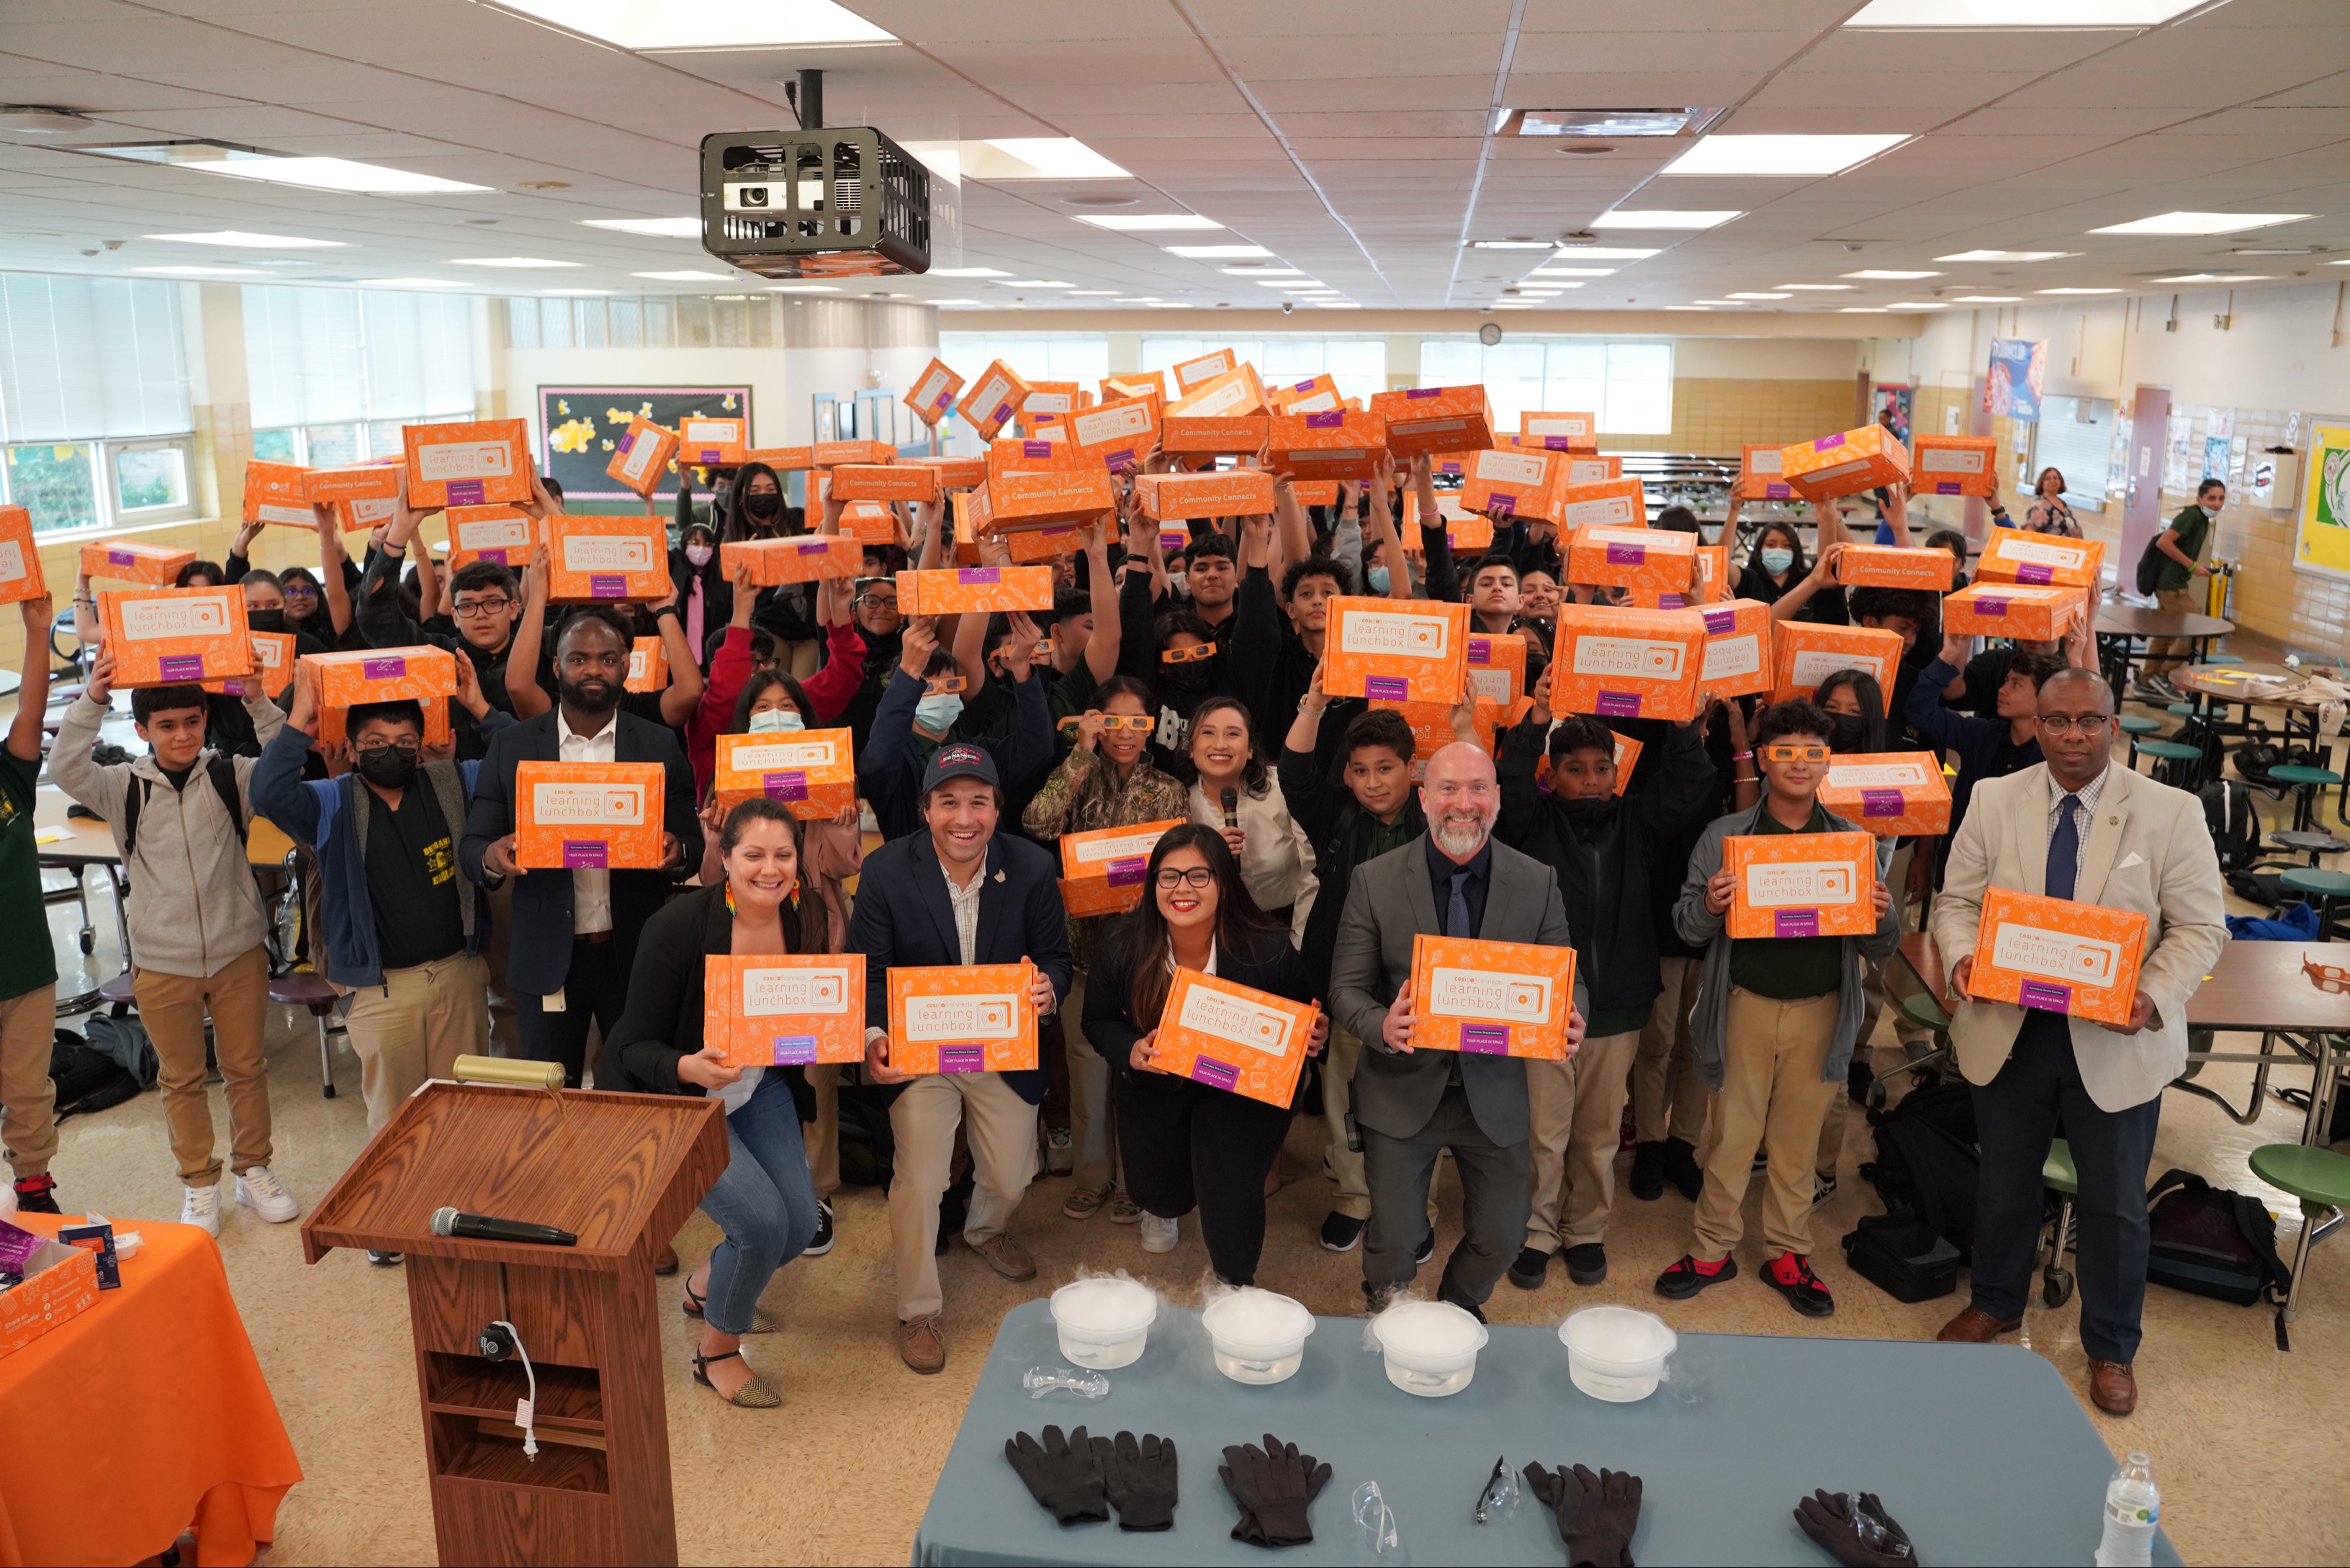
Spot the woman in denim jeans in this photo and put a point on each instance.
(765, 1203)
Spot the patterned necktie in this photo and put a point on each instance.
(1455, 916)
(2064, 850)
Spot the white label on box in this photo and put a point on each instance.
(1588, 471)
(269, 653)
(1206, 368)
(637, 661)
(780, 754)
(990, 396)
(445, 460)
(1727, 658)
(1487, 994)
(1395, 632)
(1638, 658)
(369, 511)
(1951, 460)
(1835, 470)
(709, 433)
(278, 511)
(1219, 1016)
(1424, 428)
(992, 1016)
(2055, 955)
(12, 562)
(771, 992)
(1607, 509)
(1489, 685)
(2040, 552)
(1046, 404)
(1768, 459)
(1496, 466)
(1803, 884)
(1877, 775)
(562, 802)
(1119, 421)
(608, 553)
(1557, 427)
(1316, 402)
(926, 396)
(1125, 847)
(206, 616)
(493, 533)
(1233, 397)
(1813, 665)
(641, 455)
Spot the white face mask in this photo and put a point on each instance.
(770, 720)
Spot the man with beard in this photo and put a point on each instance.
(1454, 881)
(575, 933)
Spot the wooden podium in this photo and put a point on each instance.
(621, 1171)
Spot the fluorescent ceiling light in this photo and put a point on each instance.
(1748, 293)
(1815, 287)
(1860, 310)
(950, 302)
(1662, 218)
(2007, 256)
(2216, 277)
(686, 275)
(1603, 253)
(1220, 252)
(657, 228)
(1506, 304)
(1091, 292)
(1990, 298)
(1509, 244)
(1882, 276)
(1781, 155)
(1032, 283)
(1168, 305)
(1600, 122)
(509, 261)
(311, 173)
(1700, 309)
(1732, 303)
(705, 24)
(2018, 13)
(2079, 291)
(205, 271)
(1145, 223)
(244, 241)
(955, 271)
(1260, 271)
(2202, 223)
(1916, 305)
(1573, 272)
(1043, 158)
(410, 282)
(802, 288)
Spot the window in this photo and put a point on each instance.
(1032, 356)
(94, 414)
(335, 372)
(151, 479)
(1628, 385)
(1359, 365)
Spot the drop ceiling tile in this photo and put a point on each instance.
(1631, 89)
(1280, 95)
(1906, 95)
(1737, 48)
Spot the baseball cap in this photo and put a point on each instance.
(960, 761)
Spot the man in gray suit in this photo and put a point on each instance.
(1454, 881)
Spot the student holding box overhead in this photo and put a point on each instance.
(29, 969)
(488, 602)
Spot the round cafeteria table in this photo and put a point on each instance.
(2126, 630)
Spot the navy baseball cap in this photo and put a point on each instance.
(960, 761)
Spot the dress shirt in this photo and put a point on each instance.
(1441, 868)
(591, 890)
(966, 899)
(2087, 794)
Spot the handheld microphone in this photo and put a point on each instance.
(1231, 806)
(488, 1228)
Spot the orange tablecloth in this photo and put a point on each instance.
(143, 1416)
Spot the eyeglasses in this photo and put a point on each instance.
(1191, 655)
(2325, 977)
(298, 591)
(2087, 723)
(405, 748)
(470, 608)
(1197, 876)
(947, 684)
(1796, 754)
(1125, 721)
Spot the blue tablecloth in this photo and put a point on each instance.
(1980, 1451)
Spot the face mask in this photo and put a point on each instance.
(2211, 511)
(265, 620)
(698, 553)
(938, 711)
(1777, 561)
(1847, 731)
(1590, 815)
(773, 718)
(386, 766)
(1377, 577)
(763, 505)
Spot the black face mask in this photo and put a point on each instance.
(1847, 731)
(763, 505)
(596, 695)
(1589, 816)
(265, 620)
(388, 766)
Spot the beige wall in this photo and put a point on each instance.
(1715, 415)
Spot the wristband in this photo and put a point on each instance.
(664, 609)
(1742, 756)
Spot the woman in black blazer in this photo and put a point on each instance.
(1184, 1142)
(765, 1203)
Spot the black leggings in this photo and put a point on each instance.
(1187, 1145)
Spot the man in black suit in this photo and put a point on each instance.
(955, 895)
(575, 933)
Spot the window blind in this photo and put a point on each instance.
(327, 356)
(83, 359)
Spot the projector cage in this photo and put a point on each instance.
(846, 202)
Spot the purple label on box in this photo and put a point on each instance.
(603, 585)
(1991, 607)
(498, 556)
(1827, 443)
(1485, 1039)
(1003, 412)
(1386, 687)
(962, 1059)
(978, 574)
(1423, 392)
(794, 1050)
(1882, 803)
(1618, 704)
(1779, 492)
(390, 669)
(1795, 922)
(1671, 601)
(465, 492)
(1301, 386)
(1720, 622)
(705, 453)
(1214, 1074)
(1329, 420)
(122, 557)
(1035, 449)
(2033, 572)
(181, 667)
(1120, 460)
(2047, 995)
(1628, 555)
(586, 854)
(943, 401)
(1448, 468)
(815, 547)
(628, 439)
(790, 784)
(1558, 443)
(1945, 487)
(18, 1247)
(1507, 505)
(1126, 870)
(1480, 650)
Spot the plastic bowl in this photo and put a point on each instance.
(1431, 1347)
(1104, 1323)
(1615, 1353)
(1258, 1337)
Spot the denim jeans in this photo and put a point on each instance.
(765, 1203)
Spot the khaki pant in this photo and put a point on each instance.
(28, 1027)
(173, 1007)
(1000, 1128)
(1575, 1109)
(2164, 654)
(414, 1026)
(1353, 1198)
(1772, 1098)
(1668, 1098)
(823, 1134)
(1093, 1109)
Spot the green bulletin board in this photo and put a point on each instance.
(581, 423)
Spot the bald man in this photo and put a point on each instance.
(1410, 1104)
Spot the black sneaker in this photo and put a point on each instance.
(1587, 1265)
(1648, 1181)
(823, 1241)
(1532, 1267)
(1377, 1299)
(383, 1259)
(1823, 1189)
(1341, 1232)
(1684, 1279)
(1426, 1249)
(1682, 1169)
(1799, 1285)
(1471, 1308)
(36, 1195)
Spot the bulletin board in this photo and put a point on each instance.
(2322, 532)
(581, 423)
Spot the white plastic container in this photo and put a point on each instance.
(1258, 1337)
(1431, 1347)
(1615, 1353)
(1103, 1323)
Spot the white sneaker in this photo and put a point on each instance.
(258, 1191)
(1160, 1235)
(200, 1207)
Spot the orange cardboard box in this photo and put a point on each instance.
(782, 459)
(570, 815)
(1434, 420)
(1661, 560)
(2059, 956)
(470, 463)
(1628, 757)
(60, 1283)
(1034, 498)
(1496, 669)
(1199, 372)
(954, 472)
(1510, 482)
(1954, 465)
(1030, 545)
(886, 481)
(1892, 567)
(2011, 609)
(1050, 453)
(1763, 474)
(1626, 663)
(1889, 792)
(1121, 435)
(1802, 654)
(499, 535)
(801, 558)
(1492, 999)
(1331, 444)
(707, 442)
(354, 482)
(1150, 384)
(354, 516)
(1240, 435)
(975, 590)
(1212, 492)
(990, 402)
(1315, 395)
(934, 392)
(1737, 649)
(1315, 492)
(345, 681)
(273, 667)
(2012, 555)
(1559, 431)
(167, 636)
(1802, 884)
(971, 1019)
(1051, 403)
(648, 666)
(1609, 503)
(1230, 1037)
(1234, 393)
(438, 729)
(1714, 580)
(1405, 650)
(123, 561)
(278, 492)
(1845, 464)
(1432, 728)
(1580, 468)
(606, 559)
(869, 521)
(20, 560)
(1102, 870)
(840, 454)
(812, 771)
(641, 454)
(783, 1010)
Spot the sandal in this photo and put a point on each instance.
(761, 1323)
(1124, 1210)
(1083, 1203)
(756, 1395)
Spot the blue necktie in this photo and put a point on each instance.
(1455, 916)
(2064, 850)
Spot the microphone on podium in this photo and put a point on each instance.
(488, 1228)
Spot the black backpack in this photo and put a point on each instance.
(1929, 1162)
(2149, 564)
(85, 1080)
(2235, 826)
(2212, 1243)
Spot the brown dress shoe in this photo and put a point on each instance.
(2113, 1387)
(1975, 1326)
(922, 1344)
(1006, 1257)
(666, 1262)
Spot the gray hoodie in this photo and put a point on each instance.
(194, 907)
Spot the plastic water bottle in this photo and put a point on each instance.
(2132, 1507)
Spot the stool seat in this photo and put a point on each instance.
(1920, 1010)
(2169, 751)
(2295, 774)
(2057, 1169)
(302, 989)
(2223, 659)
(2308, 843)
(2315, 880)
(2184, 710)
(118, 990)
(2140, 724)
(2318, 1176)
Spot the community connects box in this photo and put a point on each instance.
(1892, 567)
(2012, 609)
(604, 559)
(814, 771)
(1490, 999)
(973, 1018)
(1802, 884)
(1626, 663)
(276, 492)
(2057, 955)
(1889, 792)
(1845, 464)
(1804, 653)
(1231, 1037)
(975, 590)
(1400, 649)
(1102, 870)
(1332, 443)
(1661, 560)
(799, 558)
(2041, 560)
(1431, 420)
(783, 1010)
(1213, 493)
(589, 816)
(1737, 660)
(170, 637)
(641, 454)
(885, 482)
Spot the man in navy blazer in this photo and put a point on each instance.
(955, 895)
(574, 933)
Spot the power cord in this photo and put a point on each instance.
(526, 1409)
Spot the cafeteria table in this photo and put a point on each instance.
(2124, 632)
(1982, 1453)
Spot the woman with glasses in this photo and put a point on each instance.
(1187, 1143)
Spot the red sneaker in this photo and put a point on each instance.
(1790, 1273)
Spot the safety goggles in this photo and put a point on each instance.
(1191, 655)
(1796, 754)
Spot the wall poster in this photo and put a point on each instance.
(2322, 532)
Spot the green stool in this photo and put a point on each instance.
(2306, 784)
(2184, 710)
(2324, 887)
(2174, 764)
(2058, 1175)
(2222, 659)
(2138, 724)
(2321, 1180)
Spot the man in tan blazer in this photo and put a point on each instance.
(2077, 827)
